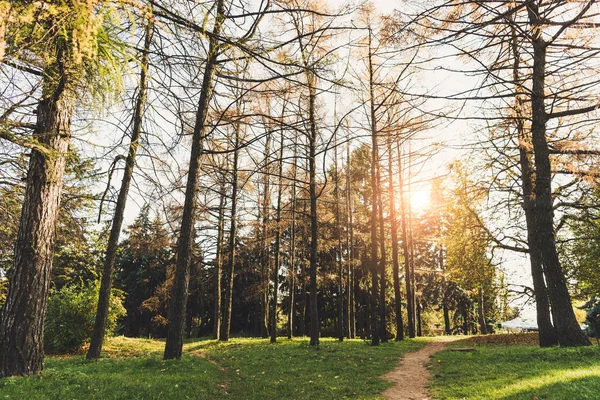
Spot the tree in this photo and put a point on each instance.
(74, 32)
(111, 252)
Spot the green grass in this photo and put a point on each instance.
(518, 372)
(241, 369)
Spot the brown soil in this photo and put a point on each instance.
(411, 377)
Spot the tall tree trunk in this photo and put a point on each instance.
(312, 158)
(23, 314)
(217, 314)
(546, 333)
(395, 255)
(113, 241)
(338, 254)
(174, 343)
(351, 256)
(375, 327)
(227, 307)
(410, 298)
(277, 241)
(292, 271)
(266, 232)
(568, 331)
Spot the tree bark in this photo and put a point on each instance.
(217, 315)
(174, 343)
(23, 314)
(351, 252)
(314, 221)
(410, 302)
(97, 339)
(277, 241)
(546, 333)
(481, 313)
(292, 271)
(265, 233)
(395, 255)
(568, 331)
(227, 307)
(375, 327)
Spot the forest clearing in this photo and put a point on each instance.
(299, 199)
(290, 369)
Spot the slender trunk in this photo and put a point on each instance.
(217, 316)
(375, 328)
(174, 343)
(418, 314)
(410, 305)
(225, 330)
(382, 259)
(447, 328)
(292, 271)
(22, 317)
(481, 312)
(395, 255)
(277, 242)
(312, 157)
(338, 254)
(97, 339)
(350, 250)
(546, 333)
(567, 328)
(411, 243)
(266, 256)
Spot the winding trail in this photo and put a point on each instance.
(411, 377)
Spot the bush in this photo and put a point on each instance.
(71, 315)
(593, 320)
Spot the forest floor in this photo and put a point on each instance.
(508, 367)
(243, 368)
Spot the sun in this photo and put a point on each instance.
(420, 199)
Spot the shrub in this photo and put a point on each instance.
(593, 320)
(71, 315)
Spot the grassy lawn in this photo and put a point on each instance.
(241, 369)
(517, 372)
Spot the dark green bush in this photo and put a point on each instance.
(71, 314)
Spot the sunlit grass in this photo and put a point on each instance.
(239, 369)
(518, 372)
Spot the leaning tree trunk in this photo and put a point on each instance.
(23, 314)
(567, 328)
(174, 343)
(115, 230)
(546, 333)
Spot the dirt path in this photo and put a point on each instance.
(411, 377)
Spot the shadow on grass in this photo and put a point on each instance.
(517, 372)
